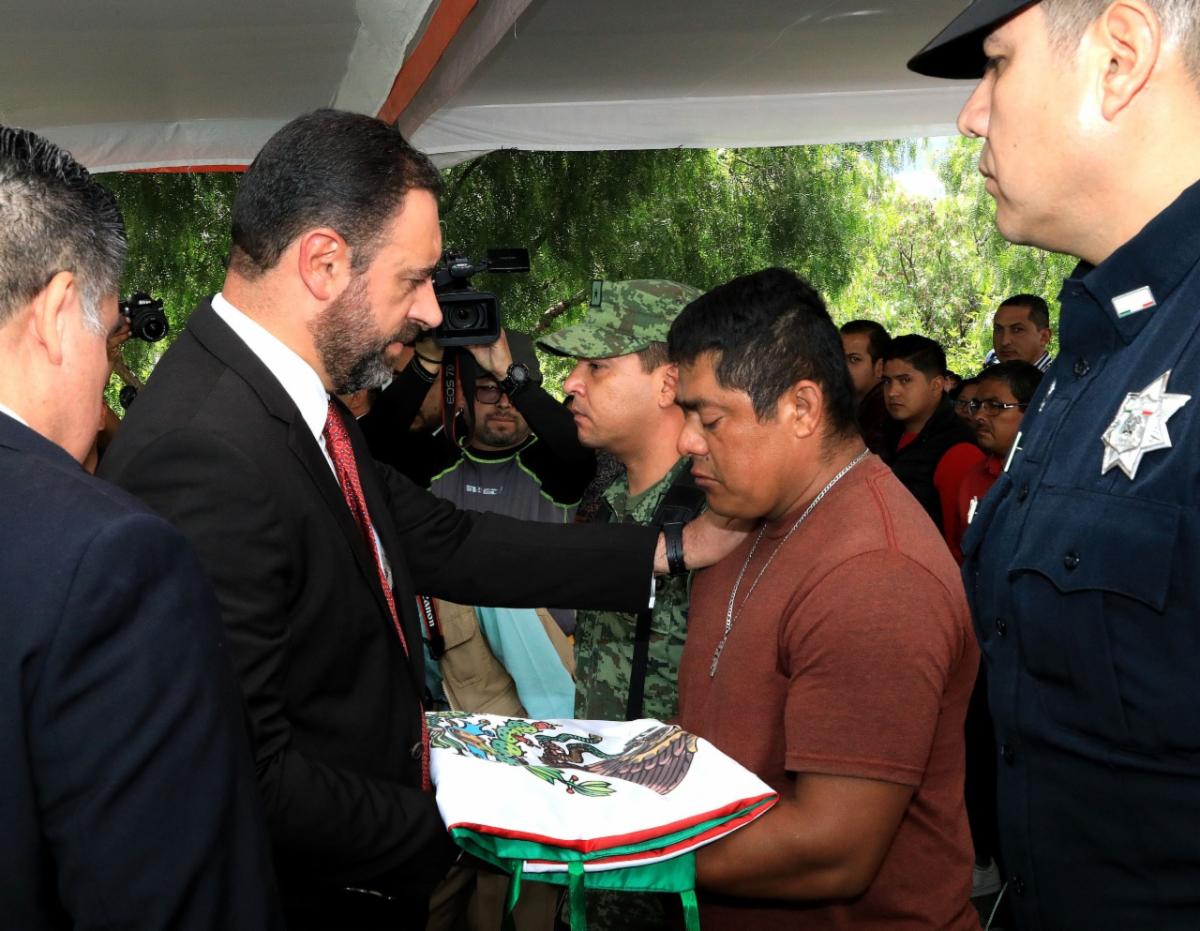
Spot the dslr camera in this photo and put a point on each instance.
(471, 317)
(146, 319)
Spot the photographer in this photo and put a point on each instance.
(522, 446)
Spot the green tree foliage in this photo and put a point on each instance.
(832, 213)
(940, 268)
(698, 216)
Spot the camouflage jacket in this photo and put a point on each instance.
(604, 639)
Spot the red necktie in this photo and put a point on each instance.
(337, 442)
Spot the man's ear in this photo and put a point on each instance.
(324, 260)
(668, 384)
(1129, 37)
(803, 405)
(1044, 336)
(939, 381)
(879, 368)
(51, 310)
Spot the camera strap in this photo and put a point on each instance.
(457, 416)
(680, 503)
(432, 624)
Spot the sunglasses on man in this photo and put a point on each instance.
(488, 394)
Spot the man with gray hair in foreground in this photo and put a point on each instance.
(127, 794)
(1079, 562)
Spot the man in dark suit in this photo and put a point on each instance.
(127, 797)
(315, 550)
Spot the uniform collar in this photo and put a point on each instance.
(617, 493)
(1157, 259)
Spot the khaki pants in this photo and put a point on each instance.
(472, 898)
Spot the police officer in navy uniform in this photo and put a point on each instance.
(1080, 562)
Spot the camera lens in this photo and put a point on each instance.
(152, 328)
(466, 317)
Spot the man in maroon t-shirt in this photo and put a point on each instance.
(831, 653)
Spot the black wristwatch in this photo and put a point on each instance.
(673, 538)
(517, 379)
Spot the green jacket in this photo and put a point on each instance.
(604, 639)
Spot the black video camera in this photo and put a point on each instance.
(470, 317)
(146, 318)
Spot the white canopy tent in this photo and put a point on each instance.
(168, 84)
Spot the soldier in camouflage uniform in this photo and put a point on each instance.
(623, 391)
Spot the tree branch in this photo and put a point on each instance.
(451, 199)
(552, 313)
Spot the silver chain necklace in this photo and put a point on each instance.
(729, 615)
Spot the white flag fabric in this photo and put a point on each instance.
(608, 804)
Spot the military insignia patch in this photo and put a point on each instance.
(1140, 426)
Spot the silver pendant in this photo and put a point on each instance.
(712, 669)
(1140, 426)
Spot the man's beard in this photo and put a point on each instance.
(350, 348)
(509, 434)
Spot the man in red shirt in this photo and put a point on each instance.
(936, 448)
(831, 653)
(1004, 392)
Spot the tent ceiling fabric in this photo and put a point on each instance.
(632, 74)
(171, 83)
(160, 83)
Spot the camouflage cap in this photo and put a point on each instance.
(624, 317)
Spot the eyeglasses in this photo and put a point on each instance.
(488, 394)
(989, 407)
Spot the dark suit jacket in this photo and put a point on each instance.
(127, 797)
(215, 444)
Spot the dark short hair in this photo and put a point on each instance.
(327, 168)
(54, 217)
(1039, 313)
(766, 332)
(921, 352)
(878, 337)
(1021, 377)
(954, 392)
(653, 356)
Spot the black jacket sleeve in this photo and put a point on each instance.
(487, 559)
(562, 465)
(419, 455)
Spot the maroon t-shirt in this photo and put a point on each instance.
(853, 657)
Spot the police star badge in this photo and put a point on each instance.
(1140, 426)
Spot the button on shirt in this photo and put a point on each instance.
(1086, 601)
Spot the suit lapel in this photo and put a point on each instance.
(213, 333)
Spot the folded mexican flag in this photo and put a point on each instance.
(601, 804)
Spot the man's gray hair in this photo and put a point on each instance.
(1068, 19)
(54, 217)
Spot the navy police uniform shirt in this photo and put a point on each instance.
(1081, 569)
